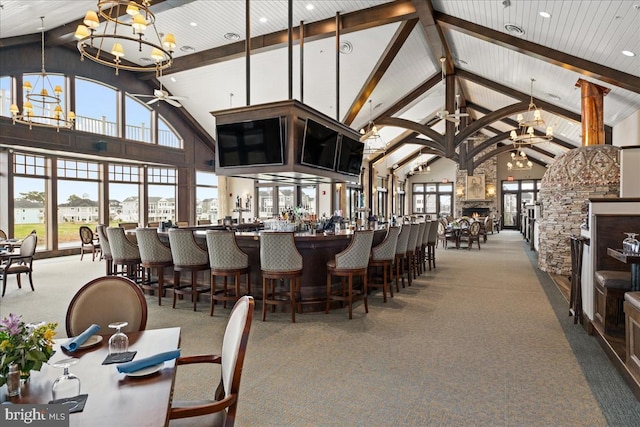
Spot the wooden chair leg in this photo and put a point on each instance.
(292, 297)
(264, 298)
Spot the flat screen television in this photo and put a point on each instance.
(350, 156)
(319, 146)
(251, 143)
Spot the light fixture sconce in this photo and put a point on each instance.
(491, 190)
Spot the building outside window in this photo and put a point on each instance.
(207, 197)
(124, 193)
(161, 194)
(30, 196)
(432, 198)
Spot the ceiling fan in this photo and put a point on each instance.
(162, 95)
(444, 114)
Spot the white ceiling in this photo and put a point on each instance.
(594, 31)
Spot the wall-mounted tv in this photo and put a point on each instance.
(350, 156)
(251, 143)
(319, 146)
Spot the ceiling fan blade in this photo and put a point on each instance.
(459, 115)
(141, 95)
(172, 102)
(154, 100)
(177, 98)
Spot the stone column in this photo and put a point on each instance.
(592, 112)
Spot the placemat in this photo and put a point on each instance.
(127, 356)
(75, 404)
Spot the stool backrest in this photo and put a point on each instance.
(425, 234)
(356, 255)
(278, 252)
(421, 229)
(386, 250)
(104, 240)
(151, 247)
(224, 252)
(184, 248)
(403, 239)
(121, 247)
(413, 236)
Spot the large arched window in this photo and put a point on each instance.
(138, 120)
(167, 136)
(42, 111)
(96, 108)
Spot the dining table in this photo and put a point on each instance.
(10, 244)
(114, 399)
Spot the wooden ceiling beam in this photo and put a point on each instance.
(561, 59)
(434, 35)
(386, 59)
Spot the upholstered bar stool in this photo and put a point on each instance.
(187, 256)
(610, 287)
(280, 261)
(383, 256)
(126, 254)
(423, 246)
(226, 260)
(411, 248)
(401, 253)
(105, 247)
(153, 255)
(350, 263)
(432, 242)
(417, 253)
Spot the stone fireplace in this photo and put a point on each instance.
(471, 211)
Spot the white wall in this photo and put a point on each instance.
(324, 200)
(627, 132)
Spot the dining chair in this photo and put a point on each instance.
(105, 247)
(188, 256)
(20, 263)
(472, 235)
(3, 235)
(226, 260)
(401, 253)
(280, 261)
(350, 263)
(154, 254)
(221, 411)
(383, 256)
(424, 244)
(417, 253)
(88, 243)
(105, 300)
(125, 254)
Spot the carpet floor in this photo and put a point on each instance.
(482, 340)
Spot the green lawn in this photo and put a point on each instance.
(67, 231)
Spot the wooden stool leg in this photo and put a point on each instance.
(328, 292)
(292, 297)
(350, 296)
(213, 292)
(176, 284)
(160, 283)
(264, 298)
(365, 288)
(194, 289)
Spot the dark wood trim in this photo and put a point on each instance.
(568, 62)
(387, 58)
(434, 35)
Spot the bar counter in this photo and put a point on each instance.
(316, 250)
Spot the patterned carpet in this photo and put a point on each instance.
(483, 340)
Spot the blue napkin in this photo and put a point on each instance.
(136, 365)
(74, 343)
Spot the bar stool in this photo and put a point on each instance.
(432, 242)
(411, 247)
(401, 253)
(227, 259)
(417, 253)
(106, 248)
(187, 256)
(153, 254)
(279, 261)
(423, 246)
(353, 261)
(383, 256)
(125, 253)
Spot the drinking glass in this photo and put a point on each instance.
(630, 244)
(67, 384)
(119, 342)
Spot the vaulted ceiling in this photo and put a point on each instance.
(389, 69)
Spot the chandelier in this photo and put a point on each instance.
(421, 165)
(371, 137)
(108, 47)
(42, 106)
(527, 124)
(519, 162)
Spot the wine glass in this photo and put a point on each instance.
(630, 244)
(119, 342)
(67, 384)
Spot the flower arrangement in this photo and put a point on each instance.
(25, 345)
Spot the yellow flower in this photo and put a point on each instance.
(49, 334)
(5, 345)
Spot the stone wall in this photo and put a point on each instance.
(566, 188)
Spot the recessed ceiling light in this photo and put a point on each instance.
(310, 6)
(514, 29)
(263, 19)
(193, 24)
(232, 36)
(628, 53)
(545, 14)
(188, 49)
(346, 47)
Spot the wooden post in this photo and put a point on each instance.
(592, 112)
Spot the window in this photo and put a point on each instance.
(161, 194)
(44, 111)
(265, 202)
(30, 196)
(207, 197)
(167, 136)
(138, 120)
(309, 197)
(432, 198)
(6, 99)
(96, 108)
(124, 185)
(78, 199)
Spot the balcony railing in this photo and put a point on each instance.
(136, 133)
